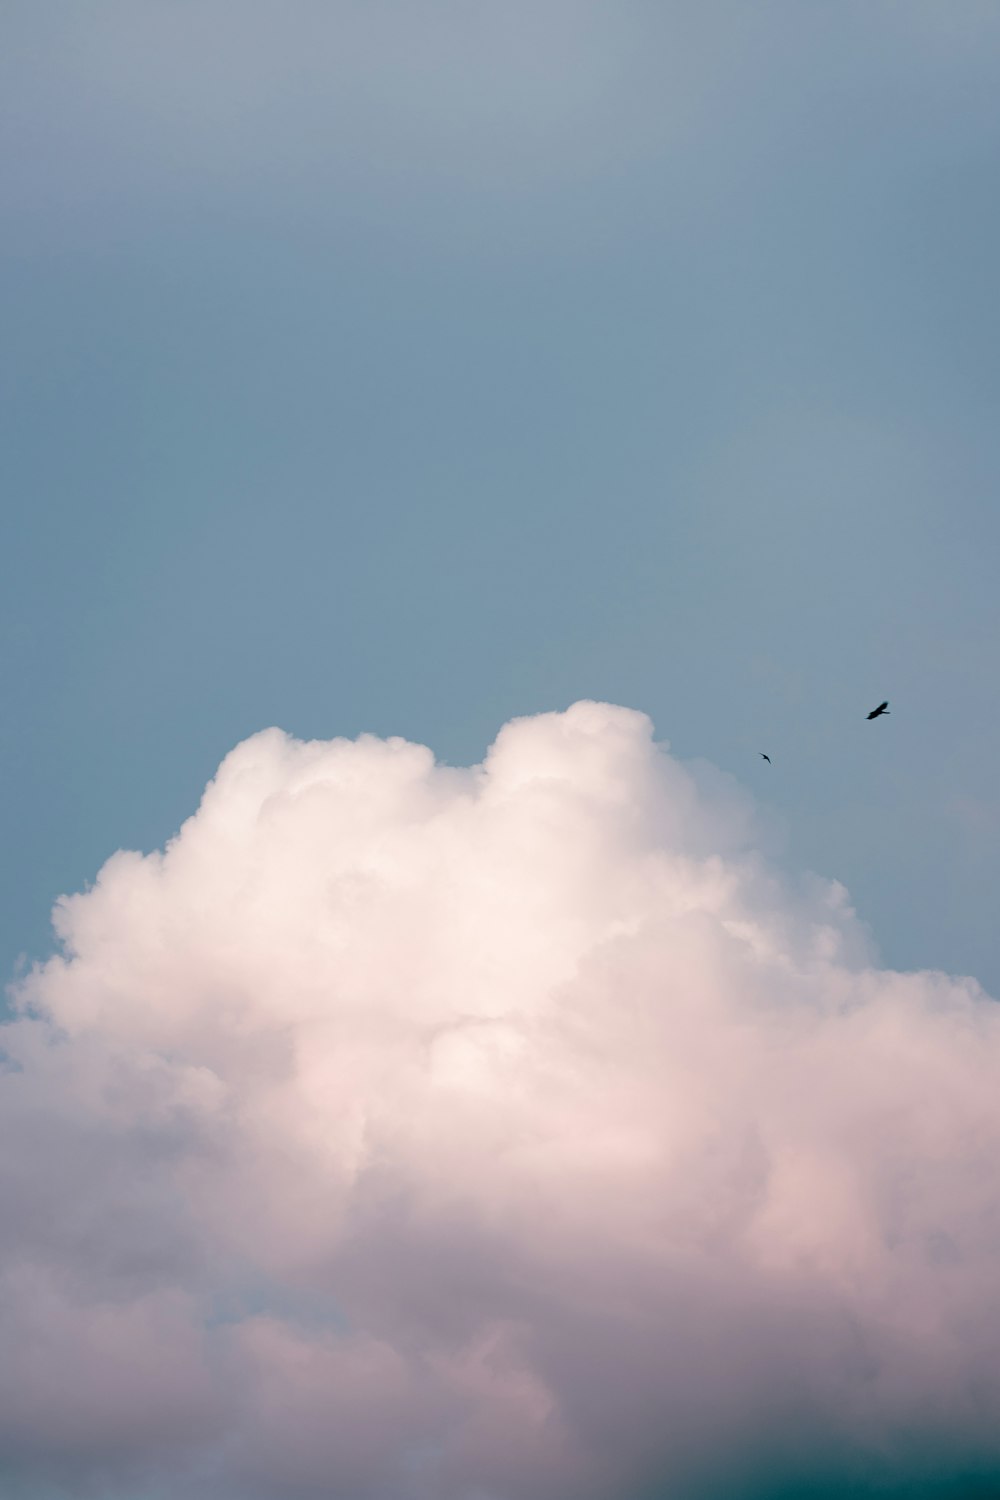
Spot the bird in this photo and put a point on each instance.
(764, 757)
(883, 708)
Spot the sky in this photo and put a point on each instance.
(403, 375)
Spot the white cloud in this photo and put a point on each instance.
(512, 1131)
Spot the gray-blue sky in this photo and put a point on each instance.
(406, 368)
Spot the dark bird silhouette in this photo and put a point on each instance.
(764, 757)
(883, 708)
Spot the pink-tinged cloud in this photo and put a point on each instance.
(416, 1133)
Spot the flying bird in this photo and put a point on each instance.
(764, 757)
(883, 708)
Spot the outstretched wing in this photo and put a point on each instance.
(882, 707)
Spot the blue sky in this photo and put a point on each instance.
(412, 367)
(407, 368)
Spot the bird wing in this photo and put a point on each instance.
(882, 707)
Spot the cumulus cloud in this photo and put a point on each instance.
(421, 1133)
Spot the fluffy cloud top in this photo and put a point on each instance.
(412, 1133)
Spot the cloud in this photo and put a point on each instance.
(421, 1133)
